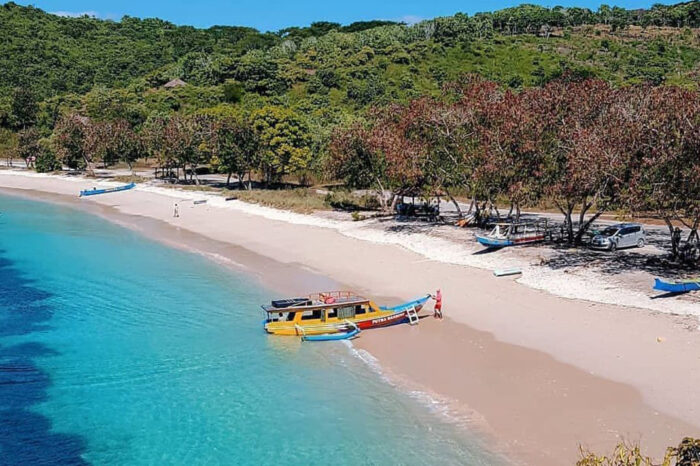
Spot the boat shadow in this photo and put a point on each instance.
(669, 295)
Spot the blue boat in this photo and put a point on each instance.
(95, 191)
(332, 336)
(416, 303)
(678, 286)
(512, 234)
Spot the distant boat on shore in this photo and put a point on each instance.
(333, 312)
(511, 234)
(677, 286)
(95, 191)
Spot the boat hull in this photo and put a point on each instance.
(399, 316)
(676, 287)
(490, 242)
(332, 336)
(94, 192)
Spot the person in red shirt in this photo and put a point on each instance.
(437, 310)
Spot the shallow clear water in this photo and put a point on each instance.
(117, 350)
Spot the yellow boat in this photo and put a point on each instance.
(333, 311)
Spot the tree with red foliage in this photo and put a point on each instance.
(353, 159)
(591, 139)
(666, 171)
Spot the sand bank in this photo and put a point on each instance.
(540, 372)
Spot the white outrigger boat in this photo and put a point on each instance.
(512, 234)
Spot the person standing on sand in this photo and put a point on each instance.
(437, 310)
(176, 213)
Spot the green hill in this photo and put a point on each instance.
(328, 72)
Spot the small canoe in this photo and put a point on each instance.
(506, 272)
(332, 336)
(677, 286)
(95, 191)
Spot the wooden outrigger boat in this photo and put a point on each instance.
(512, 234)
(350, 330)
(677, 286)
(95, 191)
(333, 312)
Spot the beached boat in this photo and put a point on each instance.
(344, 332)
(677, 286)
(95, 191)
(331, 312)
(512, 234)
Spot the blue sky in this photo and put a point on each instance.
(277, 14)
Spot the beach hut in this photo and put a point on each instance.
(177, 82)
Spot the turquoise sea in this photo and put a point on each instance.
(115, 349)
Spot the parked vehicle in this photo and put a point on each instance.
(622, 235)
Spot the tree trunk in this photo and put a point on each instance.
(89, 166)
(380, 196)
(492, 206)
(454, 201)
(674, 238)
(471, 206)
(582, 224)
(568, 222)
(583, 227)
(194, 173)
(228, 180)
(393, 203)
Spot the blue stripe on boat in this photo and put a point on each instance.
(676, 287)
(93, 192)
(332, 336)
(402, 307)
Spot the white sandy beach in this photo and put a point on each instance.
(544, 362)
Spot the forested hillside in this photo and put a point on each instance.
(54, 55)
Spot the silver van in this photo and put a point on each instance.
(622, 235)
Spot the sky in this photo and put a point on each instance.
(272, 15)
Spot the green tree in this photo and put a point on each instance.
(24, 108)
(46, 160)
(236, 149)
(69, 142)
(284, 139)
(188, 140)
(28, 145)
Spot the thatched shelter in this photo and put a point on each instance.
(177, 82)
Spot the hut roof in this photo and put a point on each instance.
(177, 82)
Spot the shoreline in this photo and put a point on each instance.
(596, 369)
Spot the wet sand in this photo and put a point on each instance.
(538, 373)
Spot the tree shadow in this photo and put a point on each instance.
(26, 437)
(613, 263)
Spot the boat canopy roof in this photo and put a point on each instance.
(329, 299)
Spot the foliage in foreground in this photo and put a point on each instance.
(686, 454)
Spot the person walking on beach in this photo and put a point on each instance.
(437, 310)
(176, 213)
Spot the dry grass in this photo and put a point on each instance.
(130, 179)
(304, 201)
